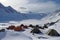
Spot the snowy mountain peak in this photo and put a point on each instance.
(11, 9)
(1, 5)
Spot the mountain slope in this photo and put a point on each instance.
(9, 14)
(54, 16)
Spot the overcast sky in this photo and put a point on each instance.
(43, 6)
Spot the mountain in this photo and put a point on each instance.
(10, 14)
(53, 18)
(26, 35)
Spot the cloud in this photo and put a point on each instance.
(38, 1)
(14, 3)
(43, 6)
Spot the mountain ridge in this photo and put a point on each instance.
(10, 14)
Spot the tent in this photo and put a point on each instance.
(52, 32)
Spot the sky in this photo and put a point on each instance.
(40, 6)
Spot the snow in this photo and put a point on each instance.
(30, 21)
(26, 35)
(51, 18)
(11, 35)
